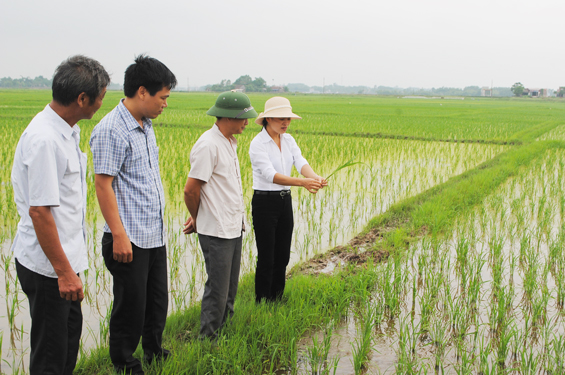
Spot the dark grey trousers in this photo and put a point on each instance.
(223, 259)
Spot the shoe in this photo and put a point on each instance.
(163, 355)
(122, 371)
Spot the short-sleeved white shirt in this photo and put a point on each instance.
(50, 170)
(267, 160)
(213, 159)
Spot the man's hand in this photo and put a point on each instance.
(192, 191)
(70, 287)
(122, 249)
(189, 226)
(109, 208)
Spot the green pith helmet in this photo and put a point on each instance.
(232, 104)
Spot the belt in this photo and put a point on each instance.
(281, 193)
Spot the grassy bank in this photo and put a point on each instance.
(261, 338)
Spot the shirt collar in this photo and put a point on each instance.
(61, 125)
(265, 137)
(131, 122)
(216, 130)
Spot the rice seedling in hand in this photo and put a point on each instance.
(347, 164)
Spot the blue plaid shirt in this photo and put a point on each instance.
(129, 152)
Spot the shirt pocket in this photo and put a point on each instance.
(71, 178)
(231, 218)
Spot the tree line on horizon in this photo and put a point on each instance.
(25, 83)
(36, 83)
(260, 85)
(387, 90)
(245, 82)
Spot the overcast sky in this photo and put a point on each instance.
(402, 43)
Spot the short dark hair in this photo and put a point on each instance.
(149, 73)
(264, 122)
(76, 75)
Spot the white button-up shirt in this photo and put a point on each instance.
(267, 160)
(50, 170)
(213, 159)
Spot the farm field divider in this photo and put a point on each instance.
(265, 338)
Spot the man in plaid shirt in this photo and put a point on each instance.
(132, 200)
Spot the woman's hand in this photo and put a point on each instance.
(312, 185)
(322, 181)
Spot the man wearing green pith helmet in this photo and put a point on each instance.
(214, 198)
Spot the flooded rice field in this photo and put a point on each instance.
(486, 298)
(391, 171)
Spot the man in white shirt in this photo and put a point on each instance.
(214, 198)
(49, 181)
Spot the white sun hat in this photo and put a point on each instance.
(277, 107)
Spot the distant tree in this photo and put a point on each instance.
(243, 80)
(472, 91)
(255, 85)
(225, 85)
(502, 91)
(258, 85)
(298, 87)
(25, 82)
(517, 89)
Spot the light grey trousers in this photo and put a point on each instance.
(223, 259)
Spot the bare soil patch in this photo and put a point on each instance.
(358, 251)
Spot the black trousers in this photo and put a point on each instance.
(140, 304)
(273, 222)
(56, 324)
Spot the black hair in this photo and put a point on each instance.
(149, 73)
(76, 75)
(264, 122)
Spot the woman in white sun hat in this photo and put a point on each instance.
(273, 152)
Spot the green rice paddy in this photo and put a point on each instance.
(463, 202)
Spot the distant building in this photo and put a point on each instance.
(486, 91)
(560, 92)
(546, 93)
(537, 93)
(239, 88)
(277, 88)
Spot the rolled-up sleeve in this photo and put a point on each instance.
(202, 161)
(260, 160)
(108, 151)
(298, 160)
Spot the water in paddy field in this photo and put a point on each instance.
(392, 171)
(487, 299)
